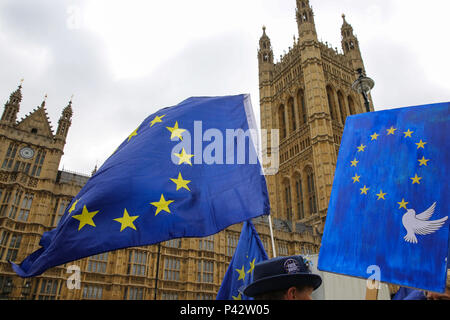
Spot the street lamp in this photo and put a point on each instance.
(363, 85)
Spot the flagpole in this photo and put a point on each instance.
(271, 236)
(157, 270)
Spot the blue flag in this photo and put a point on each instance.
(190, 170)
(249, 251)
(388, 212)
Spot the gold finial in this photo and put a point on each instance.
(71, 98)
(45, 97)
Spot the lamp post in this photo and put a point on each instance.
(363, 85)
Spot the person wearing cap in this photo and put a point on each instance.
(283, 278)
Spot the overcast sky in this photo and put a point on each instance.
(125, 59)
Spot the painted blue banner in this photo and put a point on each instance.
(390, 200)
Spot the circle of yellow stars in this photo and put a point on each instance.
(163, 205)
(414, 180)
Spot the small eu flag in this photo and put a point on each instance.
(388, 213)
(249, 251)
(187, 171)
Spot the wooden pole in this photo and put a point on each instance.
(372, 289)
(271, 236)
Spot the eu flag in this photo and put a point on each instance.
(388, 212)
(189, 170)
(249, 251)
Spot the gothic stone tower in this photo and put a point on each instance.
(307, 95)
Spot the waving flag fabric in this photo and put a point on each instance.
(181, 173)
(390, 202)
(249, 251)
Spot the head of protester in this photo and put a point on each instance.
(283, 278)
(441, 296)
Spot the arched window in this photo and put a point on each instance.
(312, 200)
(302, 106)
(299, 194)
(288, 200)
(292, 114)
(330, 96)
(342, 107)
(282, 122)
(351, 105)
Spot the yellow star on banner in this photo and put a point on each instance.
(241, 273)
(423, 162)
(134, 133)
(239, 297)
(364, 190)
(421, 144)
(416, 179)
(381, 195)
(157, 119)
(184, 157)
(391, 130)
(374, 136)
(181, 183)
(85, 218)
(162, 205)
(361, 148)
(408, 133)
(403, 204)
(176, 132)
(356, 178)
(72, 208)
(252, 266)
(126, 221)
(354, 162)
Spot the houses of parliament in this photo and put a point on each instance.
(307, 95)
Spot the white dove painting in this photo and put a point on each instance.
(421, 224)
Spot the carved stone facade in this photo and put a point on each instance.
(307, 95)
(33, 196)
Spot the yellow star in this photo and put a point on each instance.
(361, 148)
(364, 190)
(424, 162)
(381, 195)
(184, 157)
(354, 162)
(421, 144)
(391, 130)
(239, 297)
(176, 132)
(72, 208)
(408, 133)
(403, 204)
(252, 266)
(134, 133)
(241, 273)
(162, 205)
(156, 120)
(356, 178)
(85, 218)
(374, 136)
(181, 183)
(416, 179)
(126, 221)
